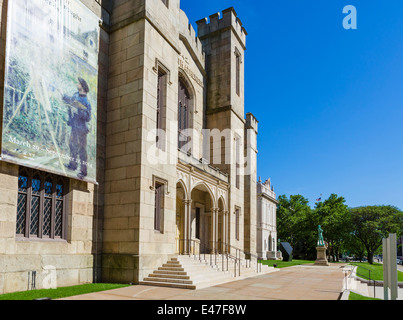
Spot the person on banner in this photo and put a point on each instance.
(79, 113)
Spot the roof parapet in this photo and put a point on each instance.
(251, 122)
(188, 32)
(216, 22)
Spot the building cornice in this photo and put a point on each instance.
(267, 196)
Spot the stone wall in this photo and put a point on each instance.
(75, 260)
(123, 148)
(111, 236)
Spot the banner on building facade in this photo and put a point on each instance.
(50, 87)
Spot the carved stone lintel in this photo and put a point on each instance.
(159, 65)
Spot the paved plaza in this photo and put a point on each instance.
(304, 282)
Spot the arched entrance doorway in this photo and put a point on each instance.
(202, 218)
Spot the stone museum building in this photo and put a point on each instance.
(267, 221)
(176, 156)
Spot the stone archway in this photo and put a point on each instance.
(202, 217)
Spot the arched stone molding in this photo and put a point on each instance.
(197, 182)
(182, 76)
(182, 179)
(185, 189)
(221, 195)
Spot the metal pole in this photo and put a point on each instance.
(385, 268)
(374, 289)
(393, 267)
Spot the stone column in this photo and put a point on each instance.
(225, 230)
(186, 225)
(214, 227)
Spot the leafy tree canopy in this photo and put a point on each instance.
(373, 223)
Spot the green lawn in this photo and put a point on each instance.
(356, 296)
(283, 264)
(376, 271)
(61, 292)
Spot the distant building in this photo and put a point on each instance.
(266, 221)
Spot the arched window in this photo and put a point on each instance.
(183, 114)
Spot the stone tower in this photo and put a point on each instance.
(224, 41)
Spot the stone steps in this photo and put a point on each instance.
(189, 273)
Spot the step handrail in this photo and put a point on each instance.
(219, 248)
(363, 276)
(189, 245)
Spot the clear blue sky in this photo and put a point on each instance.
(329, 101)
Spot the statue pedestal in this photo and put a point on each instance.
(321, 259)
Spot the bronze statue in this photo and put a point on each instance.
(321, 242)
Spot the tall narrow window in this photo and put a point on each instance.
(237, 214)
(60, 204)
(22, 203)
(237, 159)
(159, 205)
(183, 114)
(36, 205)
(48, 202)
(160, 109)
(41, 209)
(238, 73)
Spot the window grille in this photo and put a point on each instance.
(41, 205)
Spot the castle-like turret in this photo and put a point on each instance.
(229, 19)
(224, 42)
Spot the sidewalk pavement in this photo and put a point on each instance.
(303, 282)
(353, 284)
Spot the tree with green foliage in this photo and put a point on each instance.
(354, 247)
(334, 218)
(292, 220)
(373, 223)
